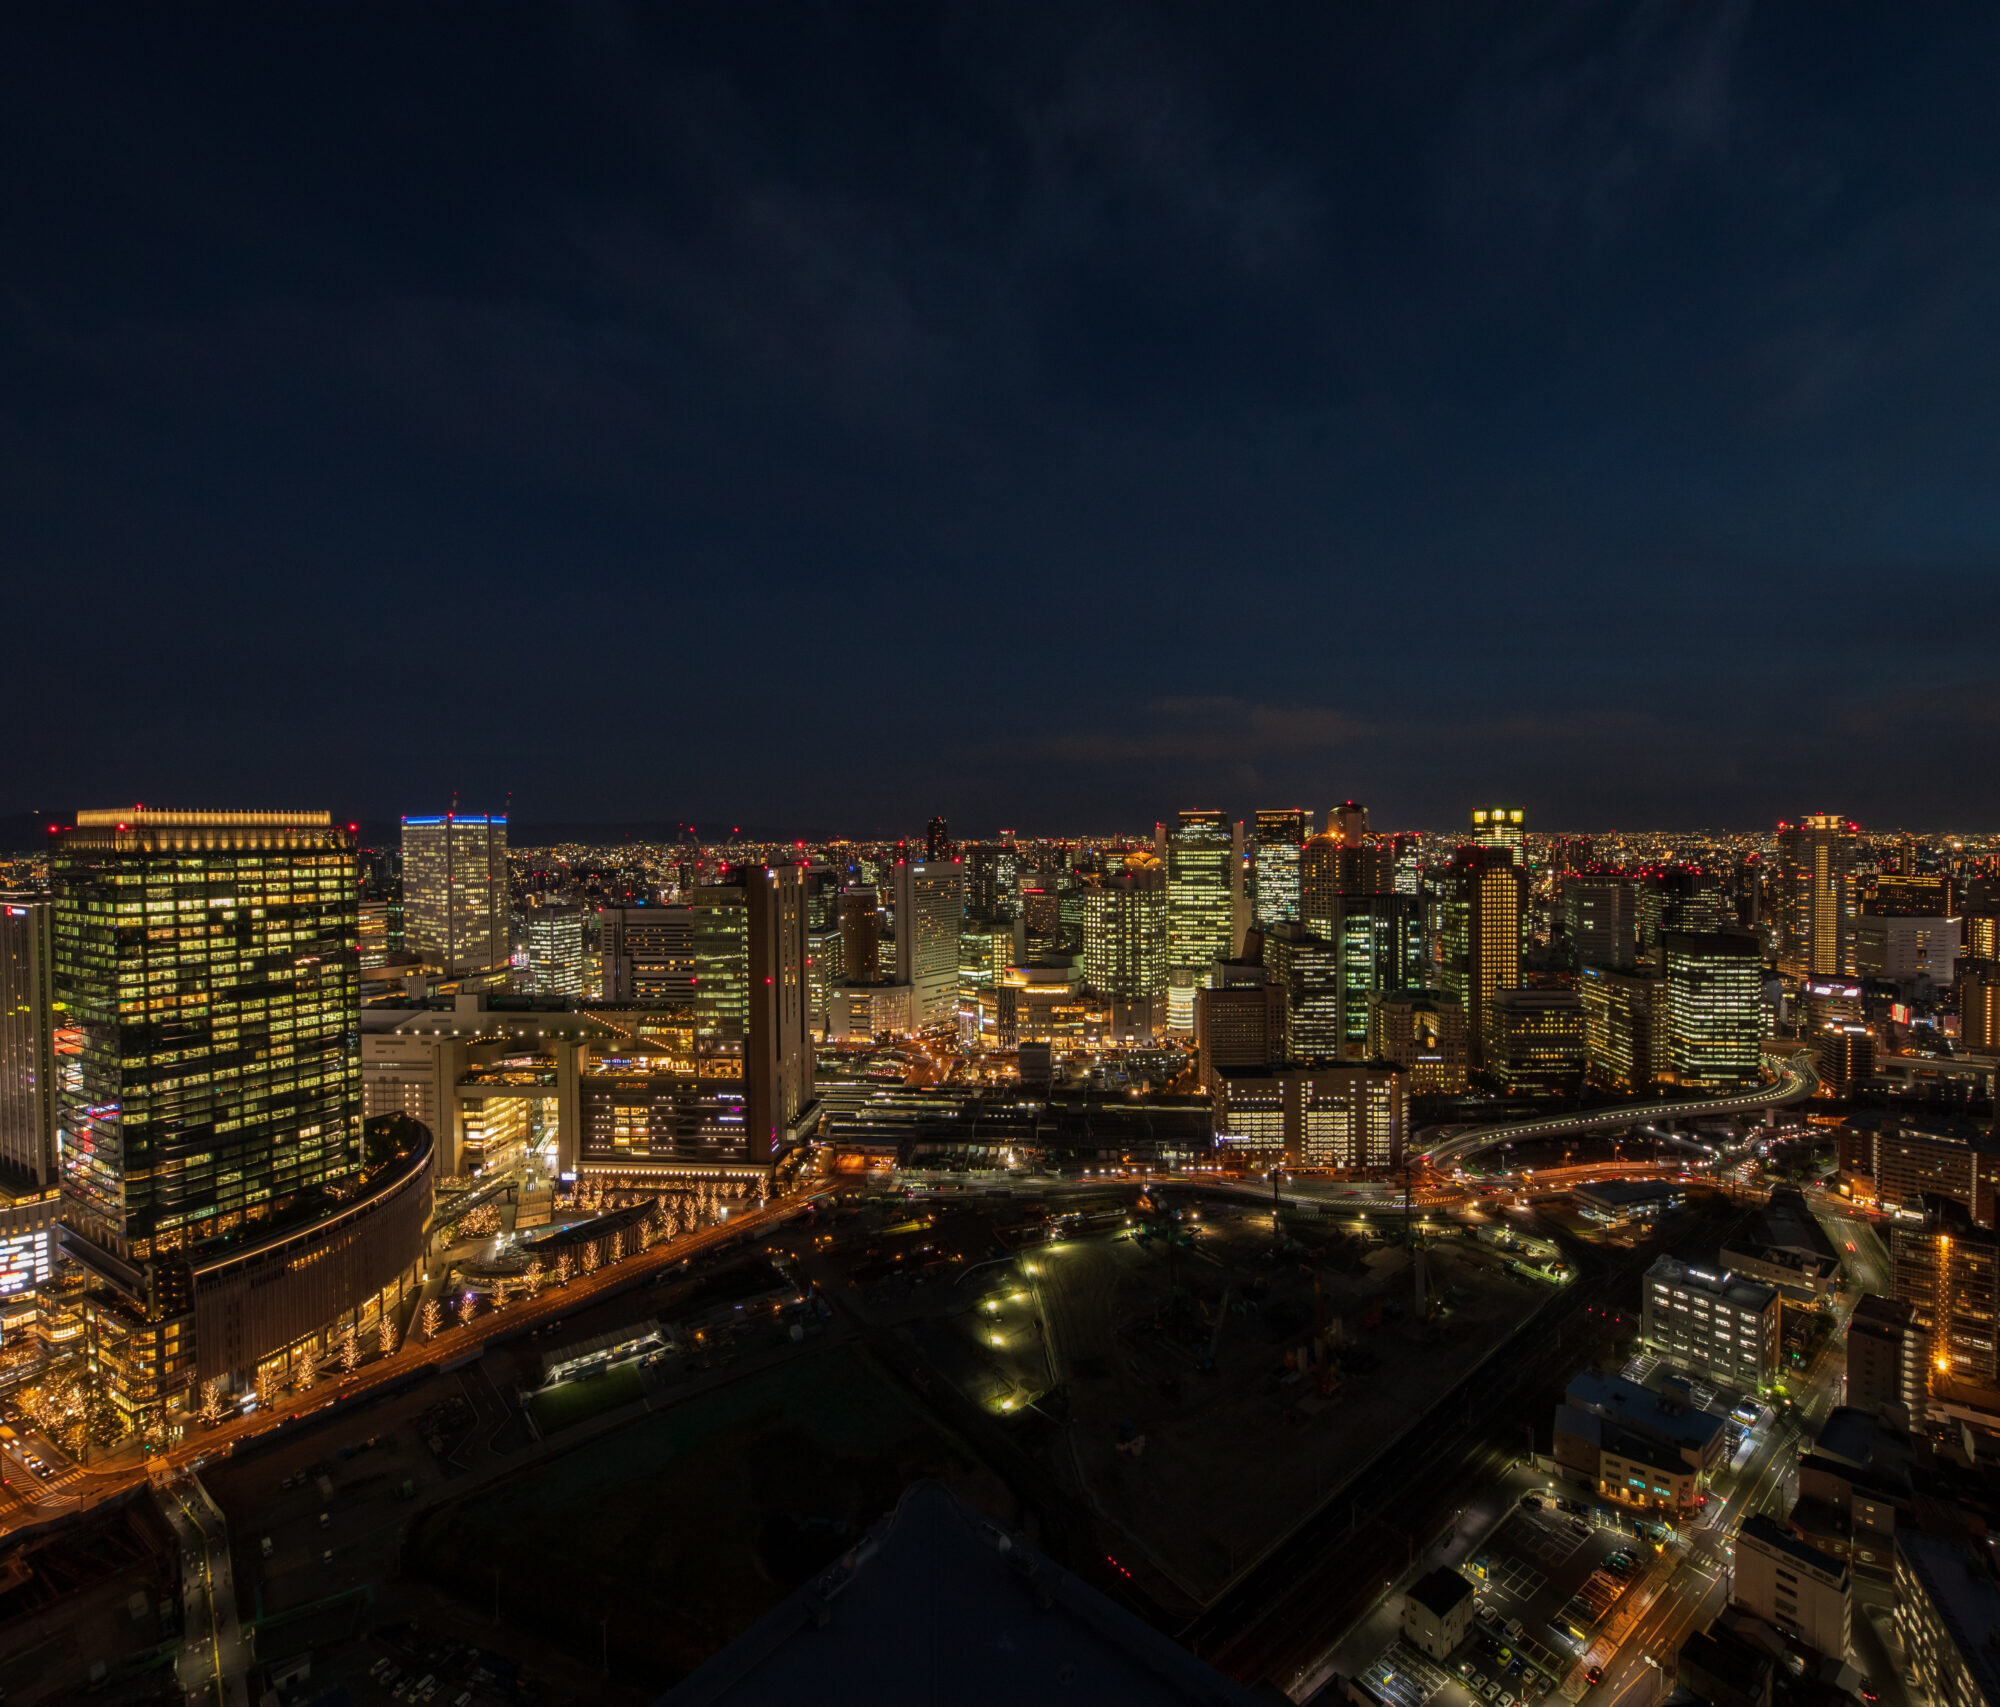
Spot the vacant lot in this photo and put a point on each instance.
(690, 1524)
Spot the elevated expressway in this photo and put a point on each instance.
(1796, 1080)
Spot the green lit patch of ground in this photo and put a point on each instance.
(688, 1525)
(573, 1402)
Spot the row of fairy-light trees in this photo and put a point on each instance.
(670, 1216)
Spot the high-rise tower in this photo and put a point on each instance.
(455, 891)
(1816, 858)
(1280, 835)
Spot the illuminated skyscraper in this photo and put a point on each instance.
(1816, 895)
(937, 841)
(751, 994)
(551, 941)
(648, 955)
(1347, 823)
(1624, 1027)
(930, 911)
(1204, 879)
(27, 1041)
(209, 962)
(1380, 940)
(1280, 835)
(1125, 946)
(1499, 827)
(1598, 922)
(1715, 1009)
(455, 892)
(1307, 969)
(1481, 949)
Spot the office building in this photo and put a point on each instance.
(860, 936)
(1499, 827)
(28, 1087)
(750, 966)
(208, 962)
(1598, 920)
(1204, 860)
(1347, 1116)
(1844, 1055)
(1715, 1009)
(986, 948)
(1280, 838)
(647, 955)
(380, 933)
(552, 960)
(455, 896)
(857, 1013)
(1534, 1044)
(1904, 947)
(1816, 895)
(1715, 1325)
(1948, 1616)
(1624, 1028)
(1125, 947)
(1794, 1586)
(1380, 940)
(1678, 898)
(1886, 1357)
(937, 842)
(930, 910)
(1238, 1025)
(1482, 900)
(212, 1176)
(1307, 969)
(1908, 896)
(1423, 1033)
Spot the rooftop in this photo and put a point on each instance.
(1768, 1532)
(1746, 1294)
(1440, 1590)
(939, 1605)
(1967, 1599)
(1642, 1410)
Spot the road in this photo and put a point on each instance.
(92, 1485)
(213, 1658)
(1796, 1081)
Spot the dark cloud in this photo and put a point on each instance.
(831, 414)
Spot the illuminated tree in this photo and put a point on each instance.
(308, 1375)
(211, 1401)
(387, 1331)
(350, 1349)
(267, 1386)
(432, 1317)
(591, 1258)
(534, 1277)
(618, 1244)
(468, 1307)
(565, 1267)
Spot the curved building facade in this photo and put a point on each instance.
(252, 1303)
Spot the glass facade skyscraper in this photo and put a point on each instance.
(1280, 835)
(1204, 858)
(209, 964)
(455, 905)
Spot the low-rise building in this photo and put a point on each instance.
(1804, 1592)
(1634, 1445)
(1618, 1201)
(1353, 1116)
(1437, 1612)
(1712, 1324)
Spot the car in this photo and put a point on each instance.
(1594, 1675)
(1488, 1688)
(1515, 1628)
(1503, 1656)
(1532, 1501)
(1520, 1665)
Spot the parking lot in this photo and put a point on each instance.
(1546, 1579)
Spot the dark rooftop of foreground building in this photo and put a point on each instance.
(940, 1607)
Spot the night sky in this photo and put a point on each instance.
(824, 416)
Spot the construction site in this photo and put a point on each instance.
(1194, 1337)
